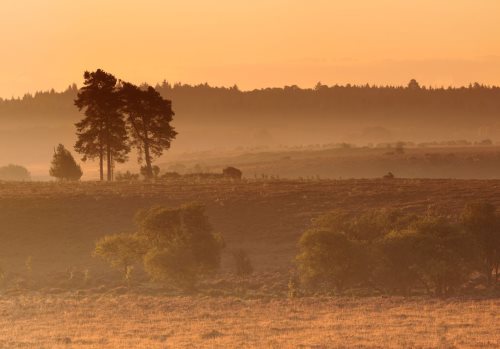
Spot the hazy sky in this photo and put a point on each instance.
(251, 43)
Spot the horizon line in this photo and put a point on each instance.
(206, 83)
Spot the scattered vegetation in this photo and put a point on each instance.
(127, 176)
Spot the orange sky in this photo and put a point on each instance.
(251, 43)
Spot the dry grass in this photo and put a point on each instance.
(135, 321)
(428, 162)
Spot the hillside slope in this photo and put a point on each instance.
(57, 224)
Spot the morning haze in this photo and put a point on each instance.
(255, 45)
(265, 174)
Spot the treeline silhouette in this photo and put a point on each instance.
(366, 102)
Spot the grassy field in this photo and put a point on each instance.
(463, 162)
(138, 321)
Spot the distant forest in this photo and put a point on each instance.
(226, 118)
(195, 103)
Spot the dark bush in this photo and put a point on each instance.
(483, 224)
(329, 259)
(445, 255)
(389, 175)
(232, 172)
(396, 262)
(182, 245)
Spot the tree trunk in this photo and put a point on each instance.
(147, 157)
(112, 168)
(108, 155)
(101, 164)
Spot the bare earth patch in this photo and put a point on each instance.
(136, 321)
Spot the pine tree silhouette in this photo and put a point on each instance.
(64, 166)
(148, 117)
(102, 133)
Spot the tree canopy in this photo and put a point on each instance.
(119, 116)
(102, 133)
(148, 117)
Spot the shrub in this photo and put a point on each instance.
(396, 261)
(14, 173)
(121, 251)
(180, 242)
(483, 224)
(340, 248)
(144, 171)
(395, 251)
(232, 172)
(363, 226)
(242, 263)
(127, 176)
(174, 263)
(389, 175)
(329, 259)
(444, 253)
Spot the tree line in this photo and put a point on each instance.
(120, 116)
(334, 101)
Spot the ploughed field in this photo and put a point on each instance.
(78, 320)
(55, 225)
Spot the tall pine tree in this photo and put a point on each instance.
(102, 132)
(148, 117)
